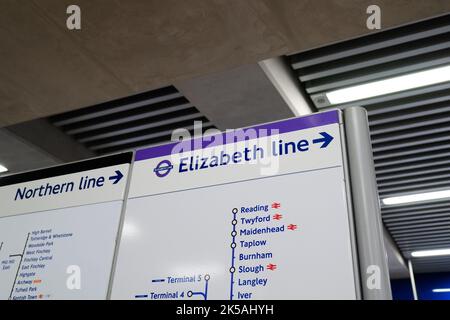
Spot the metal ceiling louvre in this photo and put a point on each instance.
(141, 120)
(410, 130)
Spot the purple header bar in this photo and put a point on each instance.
(295, 124)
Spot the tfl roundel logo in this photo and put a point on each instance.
(163, 168)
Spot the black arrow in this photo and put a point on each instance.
(325, 140)
(117, 177)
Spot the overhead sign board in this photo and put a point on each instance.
(62, 190)
(58, 228)
(257, 213)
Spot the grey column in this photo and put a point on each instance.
(366, 207)
(413, 280)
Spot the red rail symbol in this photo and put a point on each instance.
(271, 266)
(277, 216)
(292, 227)
(276, 205)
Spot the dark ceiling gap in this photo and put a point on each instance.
(132, 122)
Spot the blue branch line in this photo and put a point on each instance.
(233, 247)
(199, 293)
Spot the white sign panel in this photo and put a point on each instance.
(60, 254)
(92, 186)
(261, 216)
(58, 232)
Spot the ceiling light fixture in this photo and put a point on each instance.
(435, 195)
(430, 253)
(3, 169)
(390, 85)
(441, 290)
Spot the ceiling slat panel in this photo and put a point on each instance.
(144, 119)
(410, 130)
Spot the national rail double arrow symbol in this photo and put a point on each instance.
(325, 140)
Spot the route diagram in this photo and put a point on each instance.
(204, 294)
(233, 248)
(14, 261)
(178, 293)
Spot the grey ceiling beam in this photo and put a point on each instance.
(50, 139)
(397, 265)
(284, 80)
(236, 98)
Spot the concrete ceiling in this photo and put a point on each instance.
(238, 97)
(126, 47)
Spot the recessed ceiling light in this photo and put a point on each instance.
(391, 85)
(3, 169)
(442, 290)
(430, 253)
(416, 197)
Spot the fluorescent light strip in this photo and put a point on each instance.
(417, 197)
(441, 290)
(430, 253)
(3, 169)
(391, 85)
